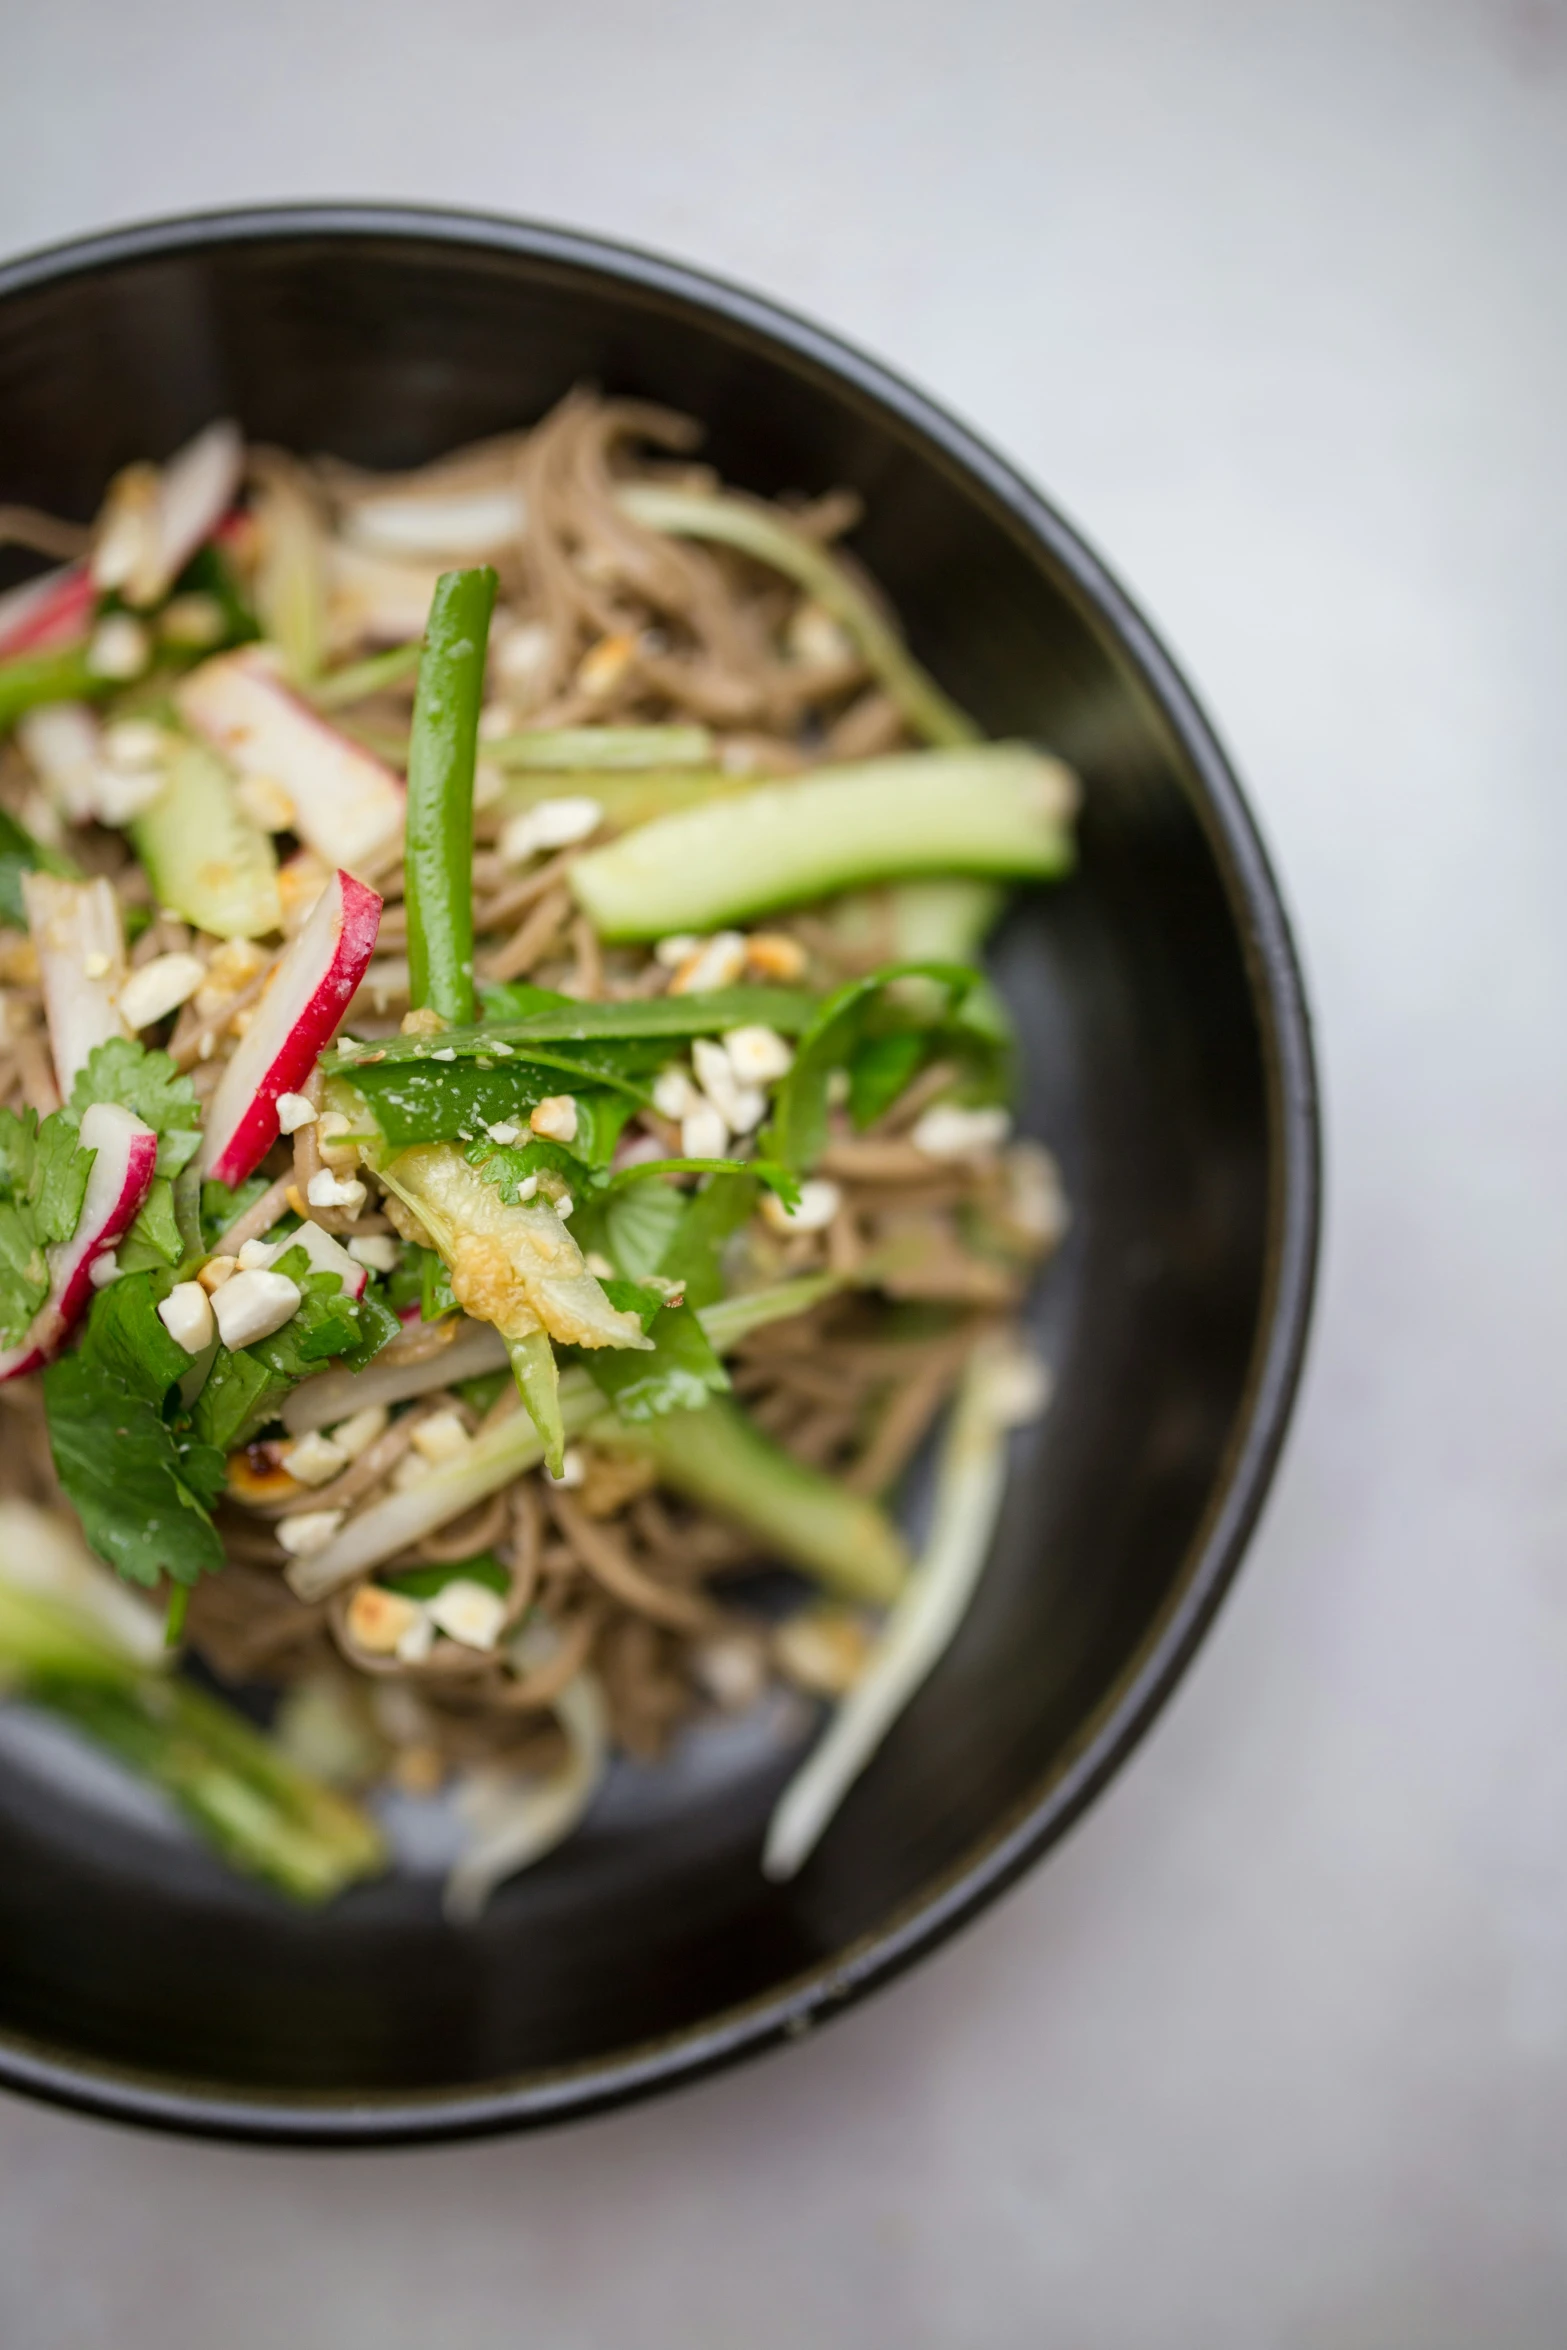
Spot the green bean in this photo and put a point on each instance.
(441, 755)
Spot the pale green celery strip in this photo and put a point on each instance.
(757, 531)
(370, 676)
(613, 748)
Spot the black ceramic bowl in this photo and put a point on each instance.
(1168, 1061)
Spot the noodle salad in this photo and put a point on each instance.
(505, 1153)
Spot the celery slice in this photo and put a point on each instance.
(204, 857)
(1000, 810)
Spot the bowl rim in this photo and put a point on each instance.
(204, 2108)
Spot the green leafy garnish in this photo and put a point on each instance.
(798, 1131)
(245, 1388)
(43, 1177)
(712, 1217)
(155, 1238)
(221, 1207)
(148, 1084)
(141, 1481)
(426, 1582)
(680, 1374)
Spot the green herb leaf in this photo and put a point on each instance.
(221, 1207)
(798, 1131)
(425, 1582)
(245, 1389)
(563, 1022)
(155, 1237)
(880, 1069)
(712, 1217)
(148, 1084)
(680, 1374)
(43, 1176)
(639, 1225)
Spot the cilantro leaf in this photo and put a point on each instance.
(678, 1376)
(639, 1225)
(798, 1131)
(43, 1177)
(155, 1237)
(221, 1207)
(711, 1218)
(141, 1484)
(148, 1084)
(245, 1387)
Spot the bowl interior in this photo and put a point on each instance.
(1148, 1064)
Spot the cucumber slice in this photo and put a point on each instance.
(1000, 810)
(204, 857)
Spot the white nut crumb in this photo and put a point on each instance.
(309, 1532)
(96, 965)
(417, 1642)
(135, 744)
(120, 647)
(674, 1095)
(379, 1621)
(314, 1459)
(732, 1670)
(504, 1132)
(410, 1470)
(772, 954)
(353, 1435)
(378, 1252)
(523, 651)
(741, 1107)
(758, 1056)
(549, 824)
(159, 988)
(252, 1305)
(703, 1134)
(266, 802)
(295, 1110)
(441, 1437)
(469, 1612)
(599, 1265)
(573, 1468)
(216, 1271)
(563, 1203)
(819, 1202)
(103, 1270)
(717, 962)
(255, 1256)
(823, 1649)
(947, 1131)
(677, 949)
(186, 1314)
(555, 1117)
(527, 1188)
(326, 1190)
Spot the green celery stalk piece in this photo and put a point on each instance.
(203, 856)
(538, 1383)
(558, 749)
(720, 1458)
(762, 533)
(627, 798)
(1001, 810)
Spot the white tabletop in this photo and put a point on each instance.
(1274, 2053)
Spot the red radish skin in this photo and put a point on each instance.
(45, 614)
(306, 997)
(348, 806)
(125, 1158)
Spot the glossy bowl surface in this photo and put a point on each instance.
(1167, 1059)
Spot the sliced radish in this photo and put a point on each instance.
(45, 613)
(347, 805)
(125, 1156)
(326, 1256)
(81, 962)
(307, 996)
(154, 520)
(64, 747)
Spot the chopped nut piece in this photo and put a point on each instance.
(216, 1271)
(293, 1111)
(378, 1252)
(550, 824)
(441, 1437)
(758, 1056)
(186, 1314)
(603, 665)
(741, 1107)
(732, 1670)
(504, 1132)
(309, 1531)
(379, 1620)
(772, 954)
(823, 1649)
(159, 988)
(314, 1459)
(103, 1270)
(468, 1612)
(555, 1117)
(717, 962)
(572, 1469)
(120, 647)
(96, 965)
(947, 1131)
(674, 1095)
(252, 1305)
(819, 1202)
(326, 1190)
(673, 951)
(703, 1134)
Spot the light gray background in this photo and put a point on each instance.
(1274, 2053)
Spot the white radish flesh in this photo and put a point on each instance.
(348, 807)
(75, 928)
(295, 1019)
